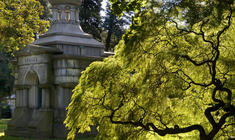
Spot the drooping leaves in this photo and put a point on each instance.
(172, 74)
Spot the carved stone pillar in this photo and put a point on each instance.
(21, 97)
(45, 98)
(33, 98)
(25, 97)
(63, 14)
(60, 97)
(17, 98)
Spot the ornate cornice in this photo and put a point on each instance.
(63, 21)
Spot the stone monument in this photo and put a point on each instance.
(47, 70)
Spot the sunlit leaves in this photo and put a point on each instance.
(19, 23)
(163, 72)
(118, 6)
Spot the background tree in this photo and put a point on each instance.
(171, 76)
(18, 23)
(6, 78)
(115, 27)
(46, 12)
(6, 83)
(90, 17)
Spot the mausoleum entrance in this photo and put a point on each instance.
(34, 92)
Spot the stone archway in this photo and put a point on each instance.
(34, 91)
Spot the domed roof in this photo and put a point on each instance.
(73, 2)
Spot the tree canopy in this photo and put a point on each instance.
(47, 13)
(90, 17)
(6, 77)
(115, 27)
(19, 22)
(172, 75)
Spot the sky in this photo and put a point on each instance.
(104, 2)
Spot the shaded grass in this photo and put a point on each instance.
(3, 127)
(18, 138)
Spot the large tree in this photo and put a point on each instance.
(171, 76)
(115, 27)
(90, 17)
(6, 77)
(19, 21)
(46, 10)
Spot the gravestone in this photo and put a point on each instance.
(47, 70)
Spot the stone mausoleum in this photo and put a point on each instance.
(47, 70)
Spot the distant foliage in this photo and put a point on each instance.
(114, 27)
(90, 17)
(19, 21)
(6, 77)
(172, 75)
(47, 13)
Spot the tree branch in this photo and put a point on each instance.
(194, 62)
(152, 127)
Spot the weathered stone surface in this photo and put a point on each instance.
(33, 59)
(34, 123)
(36, 49)
(68, 40)
(42, 71)
(74, 2)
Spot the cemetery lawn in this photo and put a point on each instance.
(18, 138)
(3, 127)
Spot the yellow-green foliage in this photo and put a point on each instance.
(21, 138)
(19, 22)
(150, 79)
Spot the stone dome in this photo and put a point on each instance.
(73, 2)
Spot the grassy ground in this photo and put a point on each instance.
(3, 126)
(17, 138)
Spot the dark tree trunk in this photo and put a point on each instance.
(108, 40)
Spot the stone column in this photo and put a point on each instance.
(25, 97)
(67, 96)
(72, 16)
(17, 98)
(63, 14)
(77, 14)
(60, 103)
(21, 97)
(33, 99)
(45, 98)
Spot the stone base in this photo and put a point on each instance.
(60, 131)
(31, 123)
(39, 123)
